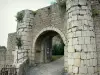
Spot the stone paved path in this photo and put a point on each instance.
(53, 68)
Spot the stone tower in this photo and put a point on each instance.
(24, 30)
(81, 38)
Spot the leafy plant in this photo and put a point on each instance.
(95, 12)
(58, 49)
(34, 13)
(20, 16)
(18, 42)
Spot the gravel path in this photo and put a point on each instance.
(53, 68)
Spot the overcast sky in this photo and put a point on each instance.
(8, 10)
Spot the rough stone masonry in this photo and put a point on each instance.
(78, 26)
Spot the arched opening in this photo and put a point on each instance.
(47, 47)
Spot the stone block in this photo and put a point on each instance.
(82, 2)
(75, 2)
(87, 40)
(92, 55)
(84, 48)
(81, 40)
(71, 49)
(92, 40)
(95, 69)
(65, 64)
(88, 62)
(24, 38)
(95, 55)
(84, 33)
(90, 48)
(73, 30)
(78, 33)
(88, 56)
(83, 12)
(83, 70)
(91, 62)
(77, 62)
(83, 55)
(80, 17)
(90, 23)
(70, 61)
(77, 55)
(74, 17)
(91, 70)
(94, 62)
(81, 27)
(70, 69)
(70, 35)
(75, 41)
(76, 23)
(70, 55)
(78, 48)
(65, 58)
(75, 69)
(70, 41)
(75, 12)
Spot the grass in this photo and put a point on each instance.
(55, 57)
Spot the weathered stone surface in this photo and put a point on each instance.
(77, 55)
(83, 70)
(75, 69)
(2, 56)
(70, 61)
(77, 62)
(79, 31)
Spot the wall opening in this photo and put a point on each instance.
(49, 46)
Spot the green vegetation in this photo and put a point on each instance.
(95, 12)
(34, 13)
(55, 57)
(58, 49)
(20, 16)
(18, 42)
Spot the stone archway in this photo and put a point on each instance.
(46, 33)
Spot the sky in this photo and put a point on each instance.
(8, 11)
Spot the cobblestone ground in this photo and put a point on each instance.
(53, 68)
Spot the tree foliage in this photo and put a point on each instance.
(58, 49)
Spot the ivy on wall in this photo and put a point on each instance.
(34, 13)
(18, 42)
(20, 16)
(95, 12)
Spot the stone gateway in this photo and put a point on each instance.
(77, 22)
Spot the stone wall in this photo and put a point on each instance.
(2, 57)
(96, 19)
(48, 17)
(24, 30)
(52, 16)
(22, 67)
(75, 24)
(32, 24)
(82, 55)
(11, 43)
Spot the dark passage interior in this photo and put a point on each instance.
(48, 47)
